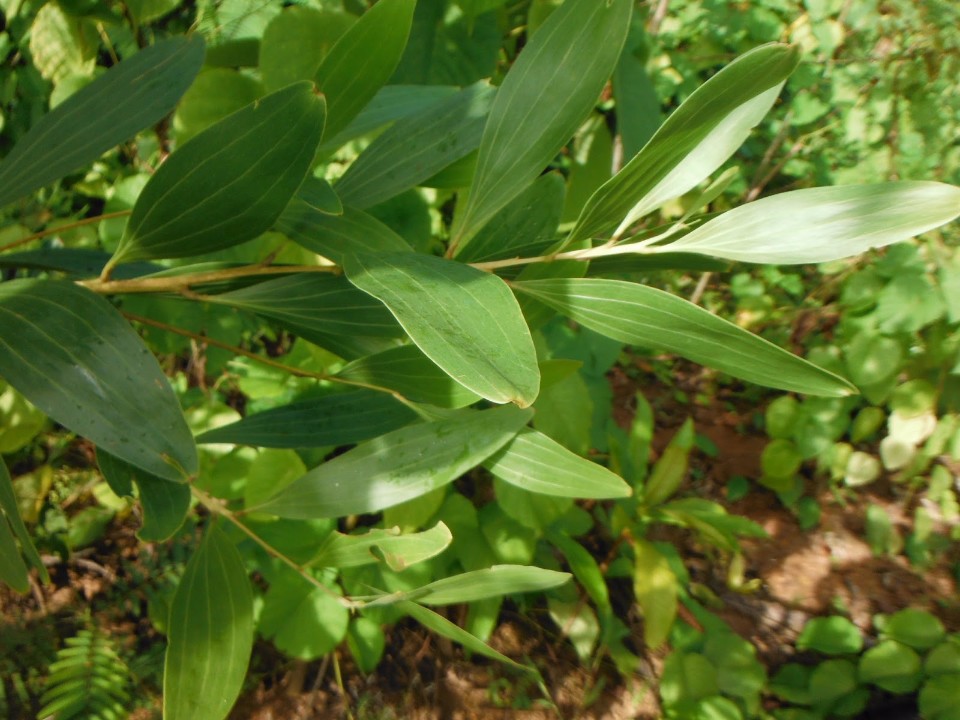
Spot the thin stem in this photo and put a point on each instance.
(178, 283)
(218, 507)
(63, 228)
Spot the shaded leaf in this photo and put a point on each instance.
(398, 550)
(9, 508)
(398, 466)
(296, 41)
(229, 183)
(641, 315)
(655, 587)
(209, 643)
(71, 354)
(129, 97)
(335, 235)
(463, 319)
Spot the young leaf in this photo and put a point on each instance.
(821, 224)
(398, 550)
(132, 95)
(536, 463)
(548, 92)
(463, 319)
(164, 504)
(71, 354)
(671, 468)
(641, 315)
(335, 235)
(229, 183)
(398, 466)
(363, 59)
(694, 141)
(8, 508)
(209, 643)
(656, 588)
(490, 582)
(338, 419)
(417, 147)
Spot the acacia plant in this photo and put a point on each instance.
(437, 372)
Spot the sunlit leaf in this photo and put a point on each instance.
(655, 587)
(398, 550)
(333, 236)
(490, 582)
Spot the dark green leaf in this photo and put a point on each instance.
(463, 319)
(334, 235)
(70, 353)
(8, 507)
(230, 183)
(490, 582)
(129, 97)
(338, 419)
(296, 41)
(210, 633)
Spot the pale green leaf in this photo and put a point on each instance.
(640, 315)
(399, 466)
(363, 59)
(536, 463)
(229, 183)
(210, 633)
(417, 147)
(215, 93)
(548, 92)
(463, 319)
(821, 224)
(296, 41)
(129, 97)
(490, 582)
(70, 353)
(337, 419)
(694, 141)
(656, 588)
(398, 550)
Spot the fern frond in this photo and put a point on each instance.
(88, 680)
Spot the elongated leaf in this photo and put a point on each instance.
(338, 419)
(229, 183)
(398, 550)
(463, 319)
(443, 627)
(70, 353)
(656, 589)
(398, 466)
(210, 633)
(312, 304)
(491, 582)
(821, 224)
(334, 235)
(694, 141)
(13, 570)
(82, 262)
(417, 147)
(546, 95)
(8, 507)
(408, 371)
(363, 59)
(315, 194)
(641, 315)
(129, 97)
(526, 227)
(534, 462)
(165, 504)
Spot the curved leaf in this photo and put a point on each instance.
(492, 582)
(640, 315)
(548, 92)
(8, 507)
(398, 550)
(398, 466)
(822, 224)
(229, 183)
(463, 319)
(71, 354)
(129, 97)
(210, 633)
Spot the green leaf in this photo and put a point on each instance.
(644, 316)
(656, 588)
(337, 419)
(536, 463)
(296, 41)
(463, 319)
(408, 371)
(335, 235)
(831, 635)
(314, 305)
(916, 628)
(548, 92)
(215, 93)
(820, 224)
(10, 509)
(940, 698)
(70, 353)
(229, 183)
(132, 95)
(398, 550)
(398, 466)
(363, 59)
(694, 141)
(165, 504)
(366, 641)
(892, 666)
(671, 469)
(417, 147)
(490, 582)
(209, 643)
(585, 568)
(13, 570)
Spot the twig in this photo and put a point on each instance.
(63, 228)
(179, 283)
